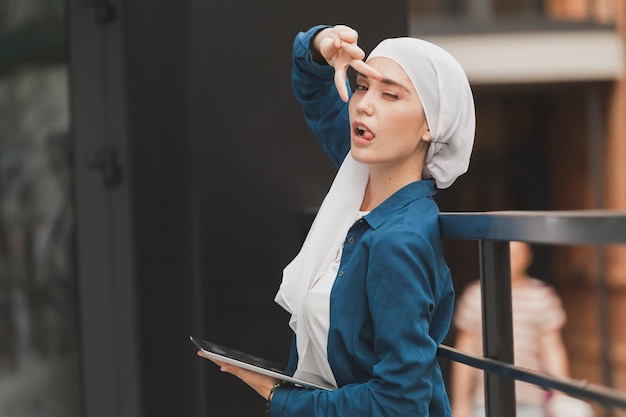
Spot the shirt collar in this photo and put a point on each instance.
(399, 199)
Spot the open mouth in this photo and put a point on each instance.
(363, 132)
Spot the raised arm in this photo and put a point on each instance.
(321, 58)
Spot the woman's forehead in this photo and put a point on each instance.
(390, 69)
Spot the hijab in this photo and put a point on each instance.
(448, 104)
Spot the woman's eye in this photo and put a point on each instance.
(391, 95)
(360, 87)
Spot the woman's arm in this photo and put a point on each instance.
(324, 111)
(320, 61)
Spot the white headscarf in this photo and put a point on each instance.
(449, 108)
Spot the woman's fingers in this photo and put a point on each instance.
(366, 70)
(341, 75)
(329, 47)
(340, 82)
(340, 40)
(222, 365)
(338, 46)
(352, 50)
(346, 33)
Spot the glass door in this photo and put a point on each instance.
(38, 321)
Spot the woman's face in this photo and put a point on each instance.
(387, 118)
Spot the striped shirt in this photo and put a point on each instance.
(536, 310)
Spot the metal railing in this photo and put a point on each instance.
(494, 231)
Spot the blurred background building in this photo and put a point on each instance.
(548, 77)
(156, 175)
(551, 108)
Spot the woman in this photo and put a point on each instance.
(370, 294)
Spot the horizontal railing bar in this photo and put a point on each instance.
(550, 227)
(576, 388)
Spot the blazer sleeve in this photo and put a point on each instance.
(314, 87)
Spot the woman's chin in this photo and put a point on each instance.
(361, 155)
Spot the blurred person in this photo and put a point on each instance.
(370, 294)
(538, 320)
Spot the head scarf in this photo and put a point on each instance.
(448, 105)
(446, 98)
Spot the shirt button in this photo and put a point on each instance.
(350, 240)
(340, 273)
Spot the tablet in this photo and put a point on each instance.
(260, 365)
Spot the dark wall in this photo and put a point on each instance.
(157, 62)
(225, 170)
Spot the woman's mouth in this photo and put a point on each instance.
(361, 131)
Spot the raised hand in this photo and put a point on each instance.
(338, 47)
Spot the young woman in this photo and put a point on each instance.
(370, 294)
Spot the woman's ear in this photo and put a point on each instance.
(427, 137)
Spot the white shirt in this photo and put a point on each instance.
(315, 323)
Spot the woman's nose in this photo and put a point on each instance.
(365, 104)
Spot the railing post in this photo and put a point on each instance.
(495, 281)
